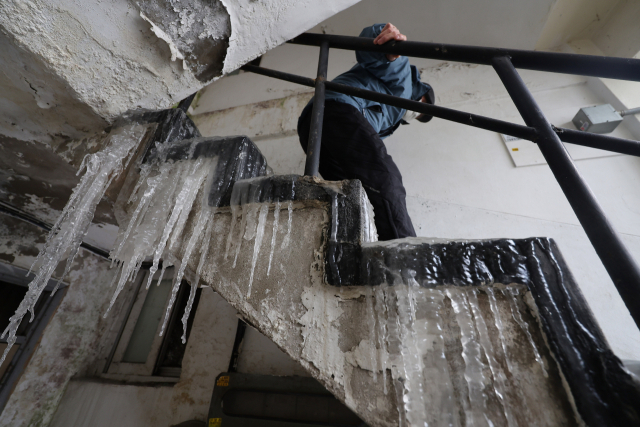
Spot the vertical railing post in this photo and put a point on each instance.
(315, 133)
(618, 262)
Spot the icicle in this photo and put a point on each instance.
(276, 217)
(66, 235)
(243, 224)
(381, 333)
(129, 268)
(194, 286)
(517, 316)
(496, 313)
(371, 319)
(165, 265)
(476, 409)
(393, 339)
(113, 281)
(437, 369)
(183, 202)
(259, 234)
(413, 396)
(239, 197)
(369, 232)
(287, 237)
(234, 218)
(252, 220)
(152, 184)
(194, 182)
(203, 217)
(149, 229)
(86, 214)
(158, 216)
(499, 377)
(334, 218)
(144, 174)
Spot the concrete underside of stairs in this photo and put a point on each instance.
(334, 332)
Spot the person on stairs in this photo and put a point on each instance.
(353, 130)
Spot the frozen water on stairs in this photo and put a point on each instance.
(407, 325)
(250, 200)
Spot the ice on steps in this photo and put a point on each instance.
(407, 327)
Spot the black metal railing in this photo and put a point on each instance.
(615, 257)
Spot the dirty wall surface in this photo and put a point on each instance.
(75, 336)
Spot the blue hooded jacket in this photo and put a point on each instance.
(376, 73)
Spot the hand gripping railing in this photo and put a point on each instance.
(618, 262)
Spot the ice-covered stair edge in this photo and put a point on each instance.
(160, 191)
(370, 346)
(591, 374)
(264, 276)
(179, 183)
(123, 146)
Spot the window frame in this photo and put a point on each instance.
(150, 371)
(14, 275)
(117, 367)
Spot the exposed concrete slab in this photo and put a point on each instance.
(259, 355)
(27, 181)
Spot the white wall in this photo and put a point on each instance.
(461, 182)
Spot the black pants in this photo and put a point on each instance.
(352, 149)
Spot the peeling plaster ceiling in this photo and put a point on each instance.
(70, 68)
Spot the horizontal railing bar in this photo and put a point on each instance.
(293, 78)
(469, 119)
(602, 142)
(567, 63)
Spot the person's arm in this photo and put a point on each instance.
(393, 70)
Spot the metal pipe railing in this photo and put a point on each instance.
(618, 262)
(630, 112)
(603, 142)
(315, 132)
(567, 63)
